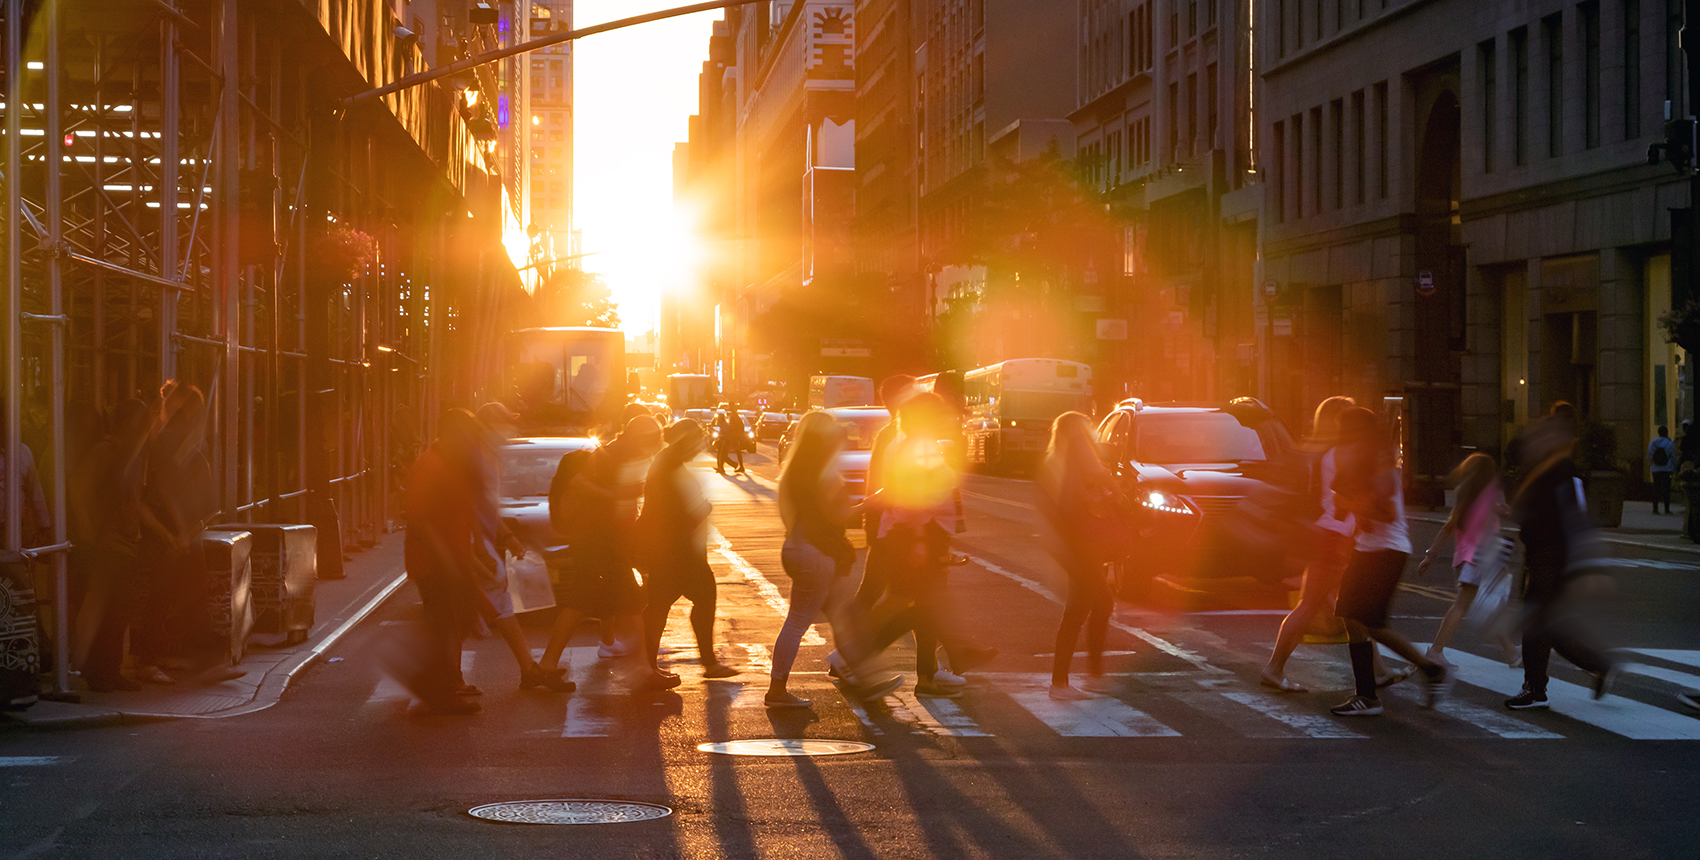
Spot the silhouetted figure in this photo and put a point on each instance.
(876, 570)
(106, 496)
(729, 438)
(1479, 554)
(673, 541)
(1087, 515)
(1561, 550)
(1661, 464)
(442, 525)
(598, 518)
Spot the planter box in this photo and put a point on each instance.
(1605, 498)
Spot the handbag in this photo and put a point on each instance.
(1493, 595)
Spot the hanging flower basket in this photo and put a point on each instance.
(341, 252)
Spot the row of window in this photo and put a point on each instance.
(1349, 127)
(1128, 45)
(1186, 134)
(1298, 20)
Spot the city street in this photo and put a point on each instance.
(1187, 756)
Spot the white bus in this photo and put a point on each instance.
(831, 392)
(1010, 407)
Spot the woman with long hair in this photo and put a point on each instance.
(1478, 552)
(817, 556)
(1082, 504)
(1368, 488)
(1332, 547)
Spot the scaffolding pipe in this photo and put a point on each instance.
(227, 308)
(14, 268)
(56, 352)
(169, 86)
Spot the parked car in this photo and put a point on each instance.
(1186, 469)
(528, 467)
(771, 426)
(860, 424)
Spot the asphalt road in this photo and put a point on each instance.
(1185, 757)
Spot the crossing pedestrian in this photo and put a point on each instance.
(442, 524)
(1087, 515)
(894, 391)
(492, 543)
(1368, 487)
(1562, 556)
(1661, 464)
(919, 510)
(1328, 550)
(597, 513)
(729, 438)
(672, 537)
(818, 557)
(1479, 554)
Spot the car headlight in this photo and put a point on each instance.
(1157, 500)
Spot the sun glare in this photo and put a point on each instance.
(635, 90)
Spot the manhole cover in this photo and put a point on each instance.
(786, 746)
(569, 811)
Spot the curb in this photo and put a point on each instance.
(277, 680)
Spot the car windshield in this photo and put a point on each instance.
(860, 428)
(527, 470)
(1195, 437)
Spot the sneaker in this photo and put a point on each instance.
(1604, 680)
(789, 701)
(1689, 700)
(947, 678)
(1066, 693)
(1357, 706)
(719, 670)
(937, 691)
(1438, 685)
(617, 649)
(658, 681)
(1527, 701)
(836, 667)
(1102, 684)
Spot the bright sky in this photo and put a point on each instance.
(634, 91)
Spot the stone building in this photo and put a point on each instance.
(1459, 220)
(1164, 122)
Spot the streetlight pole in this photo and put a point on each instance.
(413, 80)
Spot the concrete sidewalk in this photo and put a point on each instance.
(340, 604)
(1641, 528)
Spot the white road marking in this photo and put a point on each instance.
(1310, 723)
(1686, 658)
(1682, 679)
(763, 586)
(1247, 722)
(1162, 645)
(1615, 714)
(1488, 720)
(33, 760)
(935, 716)
(1097, 717)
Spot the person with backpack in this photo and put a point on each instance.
(1661, 462)
(672, 538)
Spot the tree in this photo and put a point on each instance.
(576, 297)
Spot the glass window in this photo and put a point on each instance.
(527, 470)
(860, 429)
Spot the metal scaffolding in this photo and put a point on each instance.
(183, 202)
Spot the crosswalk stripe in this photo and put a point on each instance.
(763, 586)
(33, 760)
(1615, 714)
(1488, 720)
(1097, 717)
(1682, 679)
(1673, 655)
(935, 716)
(1309, 723)
(1247, 722)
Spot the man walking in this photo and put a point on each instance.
(1661, 461)
(729, 439)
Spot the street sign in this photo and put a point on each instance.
(1271, 290)
(1425, 283)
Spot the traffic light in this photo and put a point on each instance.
(1678, 146)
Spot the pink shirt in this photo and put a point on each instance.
(1480, 522)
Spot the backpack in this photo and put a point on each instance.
(1661, 456)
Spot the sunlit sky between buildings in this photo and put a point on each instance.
(634, 92)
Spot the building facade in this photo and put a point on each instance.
(1460, 221)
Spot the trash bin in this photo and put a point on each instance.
(228, 556)
(285, 568)
(20, 643)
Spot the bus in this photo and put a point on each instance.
(565, 380)
(691, 391)
(1010, 406)
(830, 392)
